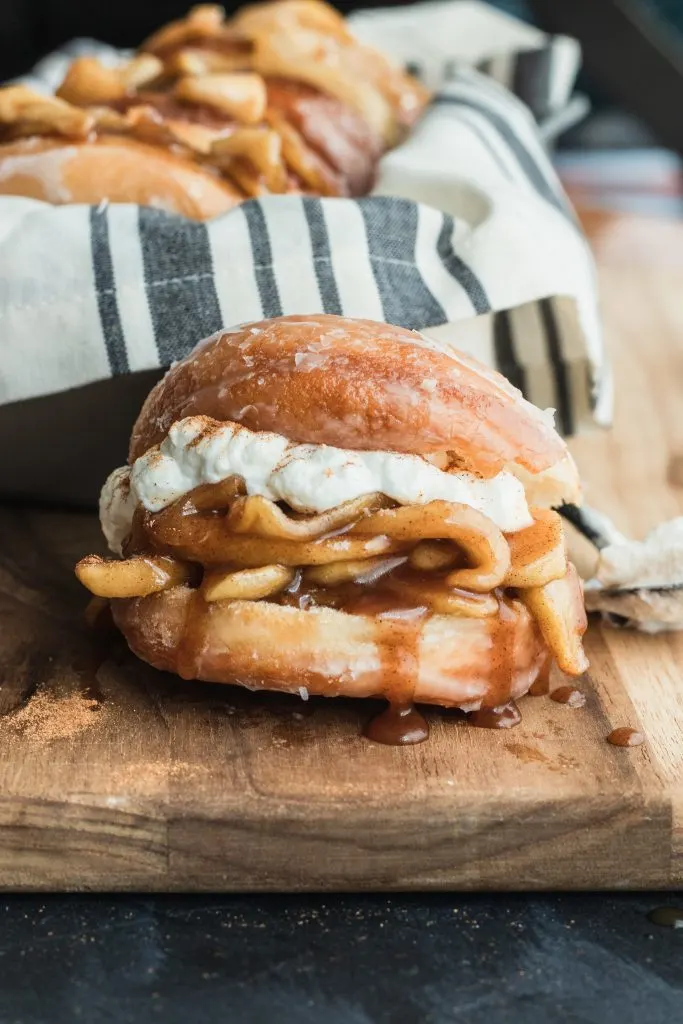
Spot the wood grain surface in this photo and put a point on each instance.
(126, 778)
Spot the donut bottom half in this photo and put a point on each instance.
(441, 659)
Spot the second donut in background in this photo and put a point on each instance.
(281, 98)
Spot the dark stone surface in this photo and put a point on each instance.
(424, 959)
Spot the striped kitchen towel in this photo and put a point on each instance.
(435, 37)
(468, 237)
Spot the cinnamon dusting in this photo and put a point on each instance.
(153, 773)
(48, 717)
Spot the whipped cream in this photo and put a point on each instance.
(117, 505)
(310, 478)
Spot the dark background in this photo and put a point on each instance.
(31, 28)
(424, 959)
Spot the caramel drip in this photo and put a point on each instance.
(138, 541)
(569, 695)
(530, 546)
(399, 639)
(541, 684)
(190, 646)
(398, 725)
(216, 525)
(506, 716)
(625, 737)
(503, 638)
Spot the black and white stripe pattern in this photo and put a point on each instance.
(435, 40)
(105, 289)
(147, 289)
(490, 109)
(542, 77)
(179, 281)
(516, 237)
(537, 346)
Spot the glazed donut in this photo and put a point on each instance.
(122, 170)
(324, 379)
(332, 506)
(281, 99)
(334, 653)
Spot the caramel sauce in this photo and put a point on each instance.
(533, 544)
(541, 684)
(401, 590)
(570, 696)
(506, 716)
(399, 621)
(191, 644)
(170, 108)
(625, 737)
(503, 639)
(398, 725)
(398, 642)
(206, 535)
(226, 43)
(199, 526)
(667, 917)
(137, 541)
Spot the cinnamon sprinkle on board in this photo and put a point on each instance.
(48, 717)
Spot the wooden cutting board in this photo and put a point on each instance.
(126, 778)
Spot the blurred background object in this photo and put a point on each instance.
(31, 28)
(633, 76)
(633, 71)
(633, 50)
